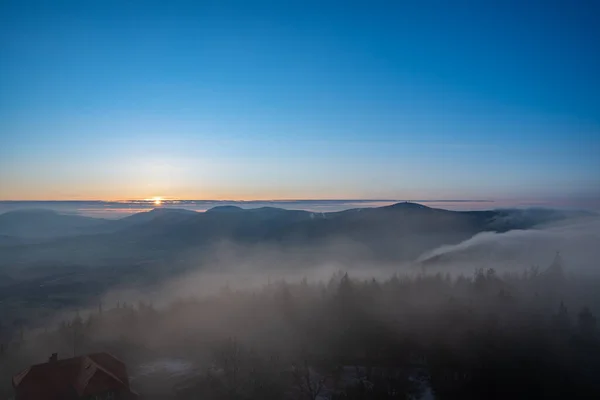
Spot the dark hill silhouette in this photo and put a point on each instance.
(401, 231)
(46, 223)
(225, 209)
(398, 232)
(407, 205)
(156, 214)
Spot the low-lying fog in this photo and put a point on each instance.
(263, 321)
(249, 267)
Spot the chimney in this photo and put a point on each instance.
(53, 358)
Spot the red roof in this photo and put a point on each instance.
(73, 377)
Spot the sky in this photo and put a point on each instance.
(247, 100)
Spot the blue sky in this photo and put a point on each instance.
(299, 99)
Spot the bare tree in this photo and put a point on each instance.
(307, 383)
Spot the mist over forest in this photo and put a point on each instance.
(401, 301)
(299, 200)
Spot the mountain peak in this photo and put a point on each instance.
(225, 209)
(409, 205)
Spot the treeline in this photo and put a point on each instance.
(523, 336)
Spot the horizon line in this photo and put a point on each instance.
(167, 200)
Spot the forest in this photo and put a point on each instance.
(524, 335)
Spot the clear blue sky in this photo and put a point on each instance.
(105, 99)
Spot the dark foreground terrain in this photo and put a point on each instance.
(526, 336)
(400, 325)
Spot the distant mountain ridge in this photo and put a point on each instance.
(41, 223)
(400, 231)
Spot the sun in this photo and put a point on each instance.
(157, 201)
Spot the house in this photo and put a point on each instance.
(96, 376)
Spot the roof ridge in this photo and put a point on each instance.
(16, 380)
(84, 367)
(83, 376)
(101, 368)
(84, 379)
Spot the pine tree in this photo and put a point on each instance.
(587, 323)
